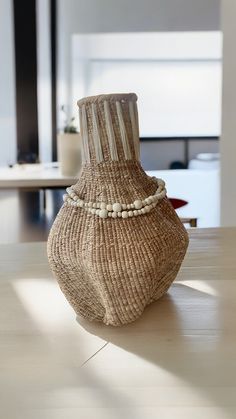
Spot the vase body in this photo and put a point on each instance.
(69, 153)
(110, 265)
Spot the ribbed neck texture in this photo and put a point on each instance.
(109, 128)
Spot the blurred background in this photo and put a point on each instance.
(177, 55)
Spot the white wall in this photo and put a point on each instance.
(228, 140)
(93, 16)
(7, 86)
(176, 75)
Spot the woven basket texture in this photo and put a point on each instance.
(111, 269)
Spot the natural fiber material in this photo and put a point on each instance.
(110, 269)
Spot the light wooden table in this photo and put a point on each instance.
(177, 361)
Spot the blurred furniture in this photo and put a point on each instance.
(177, 361)
(179, 203)
(192, 222)
(34, 177)
(185, 144)
(199, 188)
(188, 185)
(205, 161)
(37, 176)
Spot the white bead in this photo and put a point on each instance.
(114, 214)
(109, 207)
(119, 214)
(90, 204)
(124, 206)
(65, 197)
(109, 214)
(148, 208)
(103, 213)
(77, 204)
(161, 182)
(81, 203)
(131, 205)
(93, 211)
(130, 213)
(124, 214)
(139, 212)
(94, 205)
(116, 207)
(98, 205)
(103, 205)
(135, 213)
(76, 198)
(138, 204)
(128, 206)
(97, 212)
(143, 210)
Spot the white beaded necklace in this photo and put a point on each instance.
(103, 210)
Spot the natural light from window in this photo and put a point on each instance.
(177, 78)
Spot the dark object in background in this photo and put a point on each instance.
(26, 157)
(26, 79)
(177, 165)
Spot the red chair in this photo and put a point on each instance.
(178, 203)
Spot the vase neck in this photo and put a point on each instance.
(109, 128)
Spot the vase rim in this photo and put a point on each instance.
(112, 97)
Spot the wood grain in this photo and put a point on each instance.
(177, 361)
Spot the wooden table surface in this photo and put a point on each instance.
(177, 361)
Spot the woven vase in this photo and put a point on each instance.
(112, 262)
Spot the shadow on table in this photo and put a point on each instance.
(180, 333)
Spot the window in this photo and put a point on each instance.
(177, 77)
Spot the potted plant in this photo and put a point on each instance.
(69, 147)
